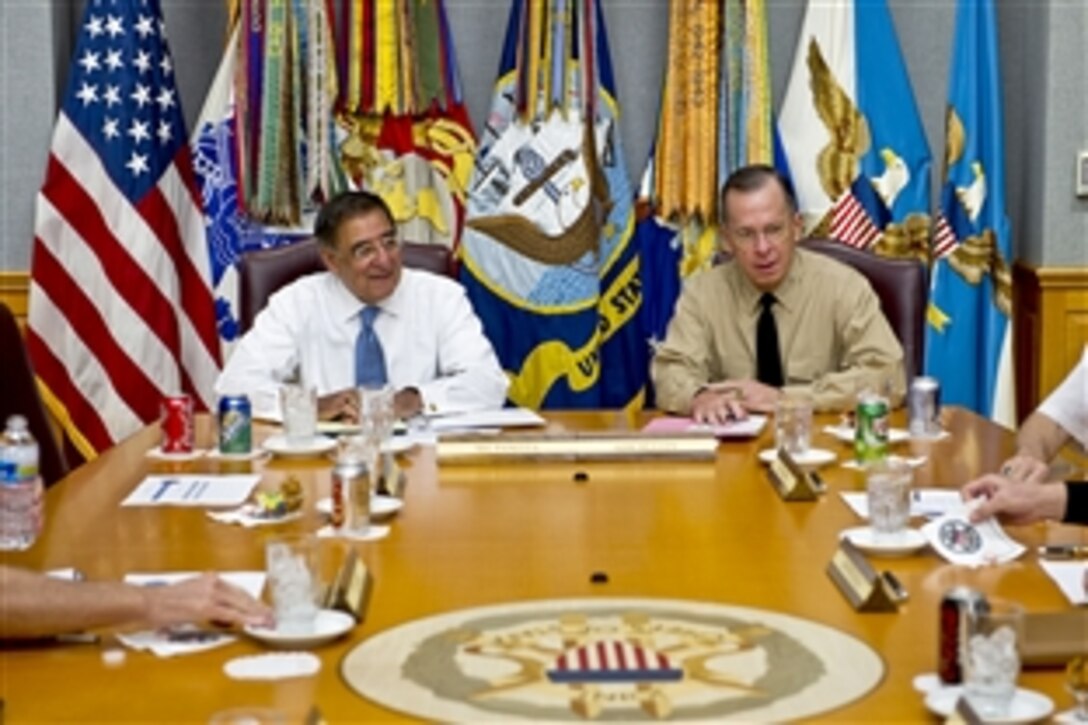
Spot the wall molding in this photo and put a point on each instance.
(14, 292)
(1050, 327)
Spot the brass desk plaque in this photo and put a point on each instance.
(596, 446)
(866, 589)
(792, 482)
(350, 590)
(390, 479)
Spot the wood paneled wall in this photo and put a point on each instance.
(1050, 324)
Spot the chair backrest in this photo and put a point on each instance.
(262, 272)
(902, 286)
(21, 397)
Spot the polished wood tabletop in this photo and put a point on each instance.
(473, 535)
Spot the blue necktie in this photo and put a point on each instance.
(369, 358)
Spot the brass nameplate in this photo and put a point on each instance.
(390, 480)
(350, 590)
(792, 482)
(866, 589)
(598, 446)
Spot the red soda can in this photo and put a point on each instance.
(958, 606)
(177, 424)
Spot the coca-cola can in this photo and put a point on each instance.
(350, 496)
(958, 606)
(177, 424)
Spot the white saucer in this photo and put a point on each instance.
(1027, 705)
(846, 433)
(380, 506)
(278, 445)
(330, 624)
(397, 444)
(903, 543)
(812, 458)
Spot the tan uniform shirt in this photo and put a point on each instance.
(833, 337)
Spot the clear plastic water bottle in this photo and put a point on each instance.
(20, 487)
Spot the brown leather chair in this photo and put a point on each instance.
(903, 288)
(21, 398)
(262, 272)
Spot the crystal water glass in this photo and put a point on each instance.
(888, 485)
(299, 406)
(793, 423)
(992, 658)
(294, 580)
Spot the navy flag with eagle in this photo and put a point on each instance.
(547, 251)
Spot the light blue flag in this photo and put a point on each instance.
(547, 253)
(851, 132)
(967, 335)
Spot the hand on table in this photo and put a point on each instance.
(1026, 468)
(733, 400)
(342, 405)
(205, 598)
(1014, 501)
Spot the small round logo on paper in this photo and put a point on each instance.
(960, 537)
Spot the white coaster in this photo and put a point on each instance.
(159, 455)
(372, 533)
(275, 666)
(912, 462)
(250, 515)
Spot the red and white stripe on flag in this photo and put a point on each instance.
(611, 656)
(121, 311)
(944, 239)
(850, 223)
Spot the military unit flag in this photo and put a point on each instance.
(715, 117)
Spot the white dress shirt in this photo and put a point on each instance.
(1068, 404)
(432, 339)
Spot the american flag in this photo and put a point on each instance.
(121, 312)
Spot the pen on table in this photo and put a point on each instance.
(77, 638)
(1068, 551)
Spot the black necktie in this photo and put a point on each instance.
(768, 358)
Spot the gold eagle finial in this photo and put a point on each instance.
(955, 139)
(837, 163)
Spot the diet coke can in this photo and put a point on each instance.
(924, 402)
(177, 424)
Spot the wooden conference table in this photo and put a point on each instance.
(481, 535)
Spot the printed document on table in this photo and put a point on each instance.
(502, 418)
(1069, 576)
(927, 502)
(199, 489)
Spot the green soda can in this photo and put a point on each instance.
(871, 428)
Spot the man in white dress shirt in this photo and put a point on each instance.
(429, 345)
